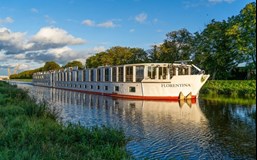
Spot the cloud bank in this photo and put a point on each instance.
(48, 44)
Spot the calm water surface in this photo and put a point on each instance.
(163, 130)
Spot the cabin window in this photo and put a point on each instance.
(92, 75)
(117, 88)
(172, 71)
(85, 86)
(76, 76)
(65, 76)
(98, 75)
(106, 88)
(151, 72)
(132, 105)
(107, 74)
(121, 71)
(114, 74)
(92, 87)
(129, 74)
(162, 72)
(132, 89)
(183, 70)
(82, 76)
(139, 73)
(98, 87)
(71, 76)
(85, 75)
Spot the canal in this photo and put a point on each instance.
(159, 129)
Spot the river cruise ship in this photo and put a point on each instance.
(148, 81)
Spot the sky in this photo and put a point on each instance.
(33, 32)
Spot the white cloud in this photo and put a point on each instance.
(99, 49)
(219, 1)
(204, 3)
(50, 37)
(46, 38)
(48, 44)
(23, 67)
(2, 55)
(6, 20)
(34, 10)
(107, 24)
(12, 42)
(88, 22)
(141, 18)
(20, 56)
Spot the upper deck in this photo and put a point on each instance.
(142, 72)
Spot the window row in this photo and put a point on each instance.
(106, 88)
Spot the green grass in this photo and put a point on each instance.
(31, 131)
(230, 89)
(22, 80)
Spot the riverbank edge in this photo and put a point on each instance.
(29, 130)
(244, 89)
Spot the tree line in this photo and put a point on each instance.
(219, 49)
(47, 67)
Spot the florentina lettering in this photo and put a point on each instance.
(175, 85)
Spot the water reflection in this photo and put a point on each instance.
(164, 130)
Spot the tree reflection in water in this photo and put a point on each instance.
(233, 127)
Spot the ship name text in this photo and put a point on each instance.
(175, 85)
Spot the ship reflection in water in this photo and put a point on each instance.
(158, 130)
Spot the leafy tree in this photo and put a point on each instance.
(177, 46)
(154, 54)
(51, 66)
(138, 56)
(117, 56)
(213, 50)
(74, 64)
(243, 29)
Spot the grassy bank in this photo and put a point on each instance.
(230, 88)
(22, 80)
(30, 131)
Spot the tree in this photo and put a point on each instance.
(243, 29)
(154, 54)
(51, 66)
(177, 46)
(117, 56)
(213, 50)
(74, 64)
(138, 56)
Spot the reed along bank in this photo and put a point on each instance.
(29, 130)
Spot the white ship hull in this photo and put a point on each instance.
(174, 88)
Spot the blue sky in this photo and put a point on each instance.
(35, 31)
